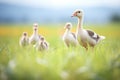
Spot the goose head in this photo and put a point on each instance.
(35, 29)
(35, 25)
(77, 13)
(68, 26)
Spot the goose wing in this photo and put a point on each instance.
(93, 35)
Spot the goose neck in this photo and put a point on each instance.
(35, 32)
(80, 22)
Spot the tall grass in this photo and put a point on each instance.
(59, 62)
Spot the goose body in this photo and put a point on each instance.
(24, 40)
(35, 36)
(69, 38)
(88, 37)
(85, 37)
(42, 44)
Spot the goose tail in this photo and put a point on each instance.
(101, 38)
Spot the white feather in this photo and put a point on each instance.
(34, 39)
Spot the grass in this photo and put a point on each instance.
(59, 62)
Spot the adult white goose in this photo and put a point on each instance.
(42, 44)
(85, 37)
(34, 37)
(24, 40)
(69, 38)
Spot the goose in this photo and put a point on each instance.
(85, 37)
(69, 38)
(24, 40)
(42, 44)
(35, 36)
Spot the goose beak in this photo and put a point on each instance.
(74, 14)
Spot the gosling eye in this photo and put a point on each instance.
(78, 11)
(68, 24)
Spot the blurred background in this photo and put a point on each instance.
(58, 11)
(59, 63)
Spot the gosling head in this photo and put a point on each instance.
(42, 38)
(77, 13)
(68, 26)
(25, 34)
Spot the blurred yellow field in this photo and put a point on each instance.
(107, 30)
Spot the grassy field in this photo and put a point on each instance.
(59, 62)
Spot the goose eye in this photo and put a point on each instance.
(78, 11)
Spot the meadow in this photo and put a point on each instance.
(59, 62)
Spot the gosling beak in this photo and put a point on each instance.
(65, 27)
